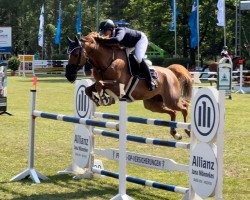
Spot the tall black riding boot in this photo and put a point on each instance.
(149, 80)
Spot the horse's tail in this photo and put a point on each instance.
(185, 80)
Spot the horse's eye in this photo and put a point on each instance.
(76, 55)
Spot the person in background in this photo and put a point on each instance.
(128, 38)
(224, 52)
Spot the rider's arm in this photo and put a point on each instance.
(113, 40)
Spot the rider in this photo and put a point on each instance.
(224, 52)
(128, 38)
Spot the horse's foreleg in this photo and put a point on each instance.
(91, 93)
(105, 98)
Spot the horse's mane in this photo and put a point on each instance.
(91, 38)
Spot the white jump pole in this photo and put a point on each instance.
(31, 172)
(241, 91)
(220, 147)
(122, 152)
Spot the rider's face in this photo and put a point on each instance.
(108, 33)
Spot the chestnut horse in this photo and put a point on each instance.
(213, 67)
(110, 64)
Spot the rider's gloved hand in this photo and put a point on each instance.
(100, 39)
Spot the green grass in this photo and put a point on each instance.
(54, 139)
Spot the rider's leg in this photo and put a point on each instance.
(149, 80)
(140, 50)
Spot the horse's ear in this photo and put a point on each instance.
(77, 40)
(69, 40)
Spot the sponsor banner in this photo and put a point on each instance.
(5, 40)
(203, 169)
(205, 114)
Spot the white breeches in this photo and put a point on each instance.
(141, 47)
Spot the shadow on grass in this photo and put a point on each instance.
(83, 189)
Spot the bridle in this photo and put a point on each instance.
(69, 52)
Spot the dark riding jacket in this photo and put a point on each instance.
(123, 36)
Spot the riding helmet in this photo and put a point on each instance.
(106, 25)
(225, 47)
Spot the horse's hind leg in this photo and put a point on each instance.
(184, 112)
(157, 106)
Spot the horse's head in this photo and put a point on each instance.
(77, 59)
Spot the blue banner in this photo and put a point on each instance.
(174, 12)
(79, 18)
(6, 50)
(193, 26)
(58, 28)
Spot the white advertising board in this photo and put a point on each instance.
(5, 40)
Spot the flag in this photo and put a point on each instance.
(174, 12)
(79, 17)
(40, 33)
(221, 13)
(192, 22)
(58, 28)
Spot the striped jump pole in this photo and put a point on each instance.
(76, 120)
(154, 184)
(141, 120)
(144, 140)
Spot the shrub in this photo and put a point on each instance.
(14, 63)
(165, 62)
(182, 61)
(247, 65)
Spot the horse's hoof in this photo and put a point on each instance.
(187, 132)
(177, 136)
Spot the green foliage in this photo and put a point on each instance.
(60, 57)
(165, 62)
(182, 61)
(157, 61)
(152, 17)
(13, 63)
(247, 64)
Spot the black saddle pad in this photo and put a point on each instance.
(135, 70)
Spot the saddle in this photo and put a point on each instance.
(136, 75)
(134, 67)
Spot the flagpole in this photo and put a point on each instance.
(225, 39)
(41, 30)
(198, 33)
(78, 21)
(43, 36)
(175, 35)
(97, 15)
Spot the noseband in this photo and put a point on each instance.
(77, 65)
